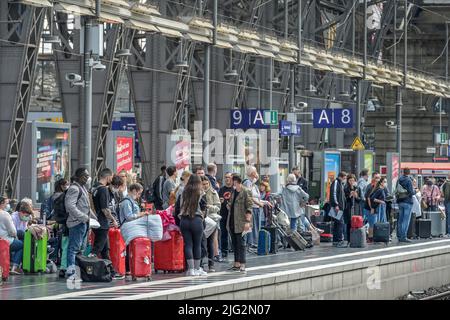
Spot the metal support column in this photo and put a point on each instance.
(292, 137)
(206, 97)
(398, 110)
(358, 124)
(87, 75)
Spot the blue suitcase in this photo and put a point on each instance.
(264, 243)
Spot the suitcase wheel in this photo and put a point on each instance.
(156, 271)
(134, 278)
(149, 278)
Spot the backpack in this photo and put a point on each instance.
(47, 208)
(60, 213)
(446, 191)
(400, 192)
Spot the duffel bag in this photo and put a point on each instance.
(93, 269)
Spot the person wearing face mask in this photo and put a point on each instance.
(129, 210)
(9, 233)
(351, 197)
(338, 204)
(22, 218)
(258, 204)
(78, 207)
(430, 196)
(102, 203)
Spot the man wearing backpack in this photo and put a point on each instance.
(102, 203)
(445, 189)
(78, 209)
(404, 193)
(158, 188)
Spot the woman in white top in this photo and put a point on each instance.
(9, 233)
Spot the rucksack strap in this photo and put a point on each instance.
(119, 215)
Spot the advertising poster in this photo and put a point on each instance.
(52, 159)
(128, 124)
(124, 153)
(182, 155)
(393, 169)
(368, 162)
(332, 167)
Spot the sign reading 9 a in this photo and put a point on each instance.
(333, 118)
(249, 118)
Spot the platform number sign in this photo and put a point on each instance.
(252, 118)
(323, 118)
(333, 118)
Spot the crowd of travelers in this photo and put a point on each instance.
(215, 217)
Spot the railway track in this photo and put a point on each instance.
(440, 296)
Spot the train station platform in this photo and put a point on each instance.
(322, 272)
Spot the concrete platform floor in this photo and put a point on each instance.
(49, 286)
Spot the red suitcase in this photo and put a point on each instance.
(169, 255)
(357, 222)
(141, 258)
(117, 250)
(4, 259)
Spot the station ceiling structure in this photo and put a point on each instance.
(315, 41)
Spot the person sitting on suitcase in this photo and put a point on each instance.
(129, 210)
(9, 233)
(239, 221)
(78, 207)
(22, 218)
(293, 200)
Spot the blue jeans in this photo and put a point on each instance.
(447, 212)
(252, 237)
(378, 216)
(77, 236)
(294, 223)
(16, 252)
(404, 217)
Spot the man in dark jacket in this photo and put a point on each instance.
(337, 203)
(158, 187)
(302, 182)
(405, 204)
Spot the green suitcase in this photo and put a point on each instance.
(34, 254)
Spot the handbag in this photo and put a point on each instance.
(210, 226)
(283, 219)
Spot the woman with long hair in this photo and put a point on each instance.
(351, 197)
(377, 203)
(191, 224)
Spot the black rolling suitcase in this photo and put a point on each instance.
(273, 238)
(327, 227)
(381, 232)
(423, 228)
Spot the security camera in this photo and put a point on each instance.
(301, 105)
(390, 123)
(98, 66)
(73, 77)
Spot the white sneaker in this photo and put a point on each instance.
(200, 272)
(191, 272)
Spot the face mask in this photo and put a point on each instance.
(115, 190)
(8, 207)
(125, 193)
(25, 218)
(254, 180)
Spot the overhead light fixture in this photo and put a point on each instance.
(311, 89)
(275, 80)
(181, 63)
(232, 73)
(123, 53)
(48, 38)
(421, 108)
(344, 94)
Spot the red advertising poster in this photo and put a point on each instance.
(124, 153)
